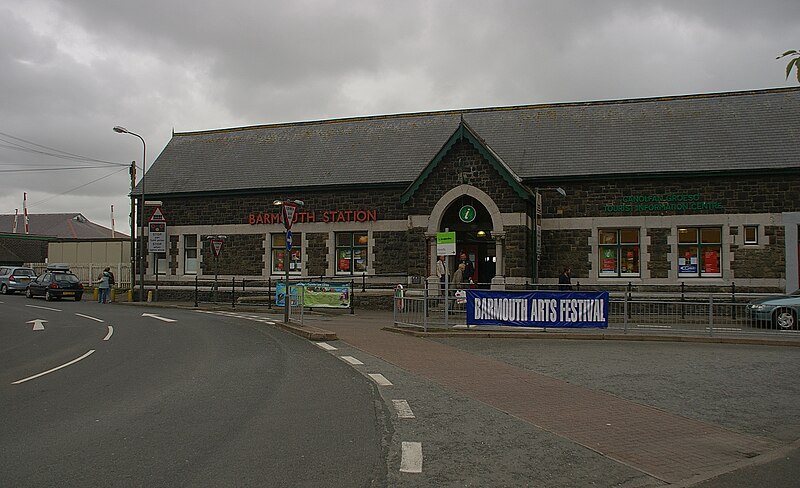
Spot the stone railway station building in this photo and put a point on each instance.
(699, 189)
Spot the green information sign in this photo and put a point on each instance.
(467, 213)
(445, 243)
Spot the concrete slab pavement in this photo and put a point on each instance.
(664, 445)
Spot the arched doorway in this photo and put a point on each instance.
(482, 236)
(472, 223)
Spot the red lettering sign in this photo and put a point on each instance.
(326, 216)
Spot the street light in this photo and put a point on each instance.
(123, 130)
(537, 227)
(287, 223)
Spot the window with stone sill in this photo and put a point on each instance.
(699, 252)
(352, 252)
(619, 252)
(190, 254)
(750, 235)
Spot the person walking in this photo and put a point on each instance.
(565, 280)
(104, 286)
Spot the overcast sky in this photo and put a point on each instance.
(71, 70)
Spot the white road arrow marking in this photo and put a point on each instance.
(38, 324)
(110, 333)
(154, 316)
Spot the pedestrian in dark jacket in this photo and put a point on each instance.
(565, 280)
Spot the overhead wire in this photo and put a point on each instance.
(8, 141)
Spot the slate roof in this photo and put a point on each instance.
(62, 225)
(721, 132)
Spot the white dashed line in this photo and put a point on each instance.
(88, 317)
(352, 360)
(325, 345)
(380, 379)
(91, 351)
(403, 409)
(44, 308)
(110, 333)
(411, 460)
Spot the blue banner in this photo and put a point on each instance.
(538, 308)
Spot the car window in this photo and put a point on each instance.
(24, 272)
(66, 278)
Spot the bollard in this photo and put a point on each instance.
(149, 296)
(130, 296)
(113, 294)
(96, 294)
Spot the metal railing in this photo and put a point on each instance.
(707, 315)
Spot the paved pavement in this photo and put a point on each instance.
(670, 447)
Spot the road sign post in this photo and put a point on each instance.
(288, 209)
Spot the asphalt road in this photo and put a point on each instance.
(202, 400)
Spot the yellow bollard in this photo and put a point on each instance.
(96, 293)
(130, 296)
(149, 296)
(113, 294)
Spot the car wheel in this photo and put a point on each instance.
(4, 289)
(48, 296)
(785, 319)
(78, 298)
(28, 293)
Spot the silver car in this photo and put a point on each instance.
(779, 312)
(15, 278)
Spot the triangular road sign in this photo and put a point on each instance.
(158, 215)
(216, 245)
(288, 214)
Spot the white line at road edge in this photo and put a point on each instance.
(89, 317)
(403, 409)
(110, 333)
(380, 379)
(325, 345)
(411, 460)
(44, 308)
(91, 351)
(352, 360)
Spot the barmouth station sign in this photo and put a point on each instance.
(327, 216)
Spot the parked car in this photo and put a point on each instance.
(55, 283)
(15, 278)
(780, 312)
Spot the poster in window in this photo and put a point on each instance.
(609, 261)
(711, 261)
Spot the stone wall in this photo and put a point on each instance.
(241, 255)
(565, 248)
(762, 262)
(659, 264)
(763, 193)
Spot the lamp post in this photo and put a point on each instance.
(537, 227)
(287, 210)
(123, 130)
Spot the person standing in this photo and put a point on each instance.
(104, 286)
(469, 268)
(441, 271)
(565, 280)
(458, 276)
